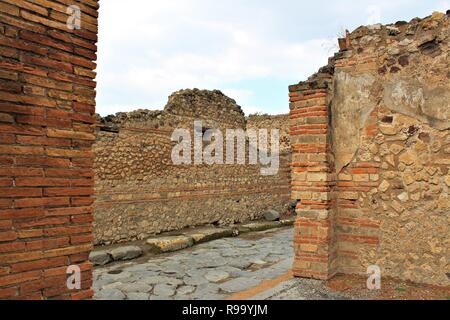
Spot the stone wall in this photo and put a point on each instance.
(140, 192)
(375, 124)
(47, 106)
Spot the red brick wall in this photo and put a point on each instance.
(47, 103)
(312, 181)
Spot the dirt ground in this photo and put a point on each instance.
(391, 289)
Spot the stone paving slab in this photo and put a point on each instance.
(208, 271)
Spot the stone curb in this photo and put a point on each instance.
(165, 244)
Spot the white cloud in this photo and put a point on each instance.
(149, 48)
(139, 53)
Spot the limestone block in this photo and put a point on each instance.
(100, 258)
(384, 186)
(126, 253)
(258, 226)
(407, 158)
(447, 181)
(169, 244)
(388, 130)
(209, 234)
(271, 215)
(396, 148)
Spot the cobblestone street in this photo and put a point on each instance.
(213, 270)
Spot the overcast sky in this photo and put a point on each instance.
(249, 49)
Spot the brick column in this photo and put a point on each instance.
(47, 105)
(312, 180)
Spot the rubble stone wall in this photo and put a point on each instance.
(383, 150)
(140, 192)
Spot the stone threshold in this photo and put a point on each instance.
(176, 241)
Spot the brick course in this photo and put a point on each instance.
(46, 100)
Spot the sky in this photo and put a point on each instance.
(251, 50)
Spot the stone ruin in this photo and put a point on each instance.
(369, 141)
(371, 155)
(140, 192)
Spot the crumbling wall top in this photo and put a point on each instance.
(426, 36)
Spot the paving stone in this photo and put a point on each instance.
(138, 296)
(169, 244)
(195, 272)
(136, 287)
(185, 290)
(195, 280)
(204, 290)
(182, 297)
(177, 270)
(100, 258)
(126, 253)
(217, 276)
(175, 273)
(210, 262)
(145, 274)
(231, 253)
(151, 266)
(239, 284)
(273, 258)
(160, 298)
(209, 234)
(112, 294)
(241, 264)
(116, 277)
(218, 244)
(201, 249)
(234, 272)
(162, 280)
(164, 290)
(238, 243)
(102, 281)
(112, 286)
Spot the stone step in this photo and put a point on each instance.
(103, 257)
(210, 234)
(169, 244)
(265, 225)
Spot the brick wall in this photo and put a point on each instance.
(47, 102)
(312, 180)
(371, 155)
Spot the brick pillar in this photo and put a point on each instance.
(47, 105)
(312, 181)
